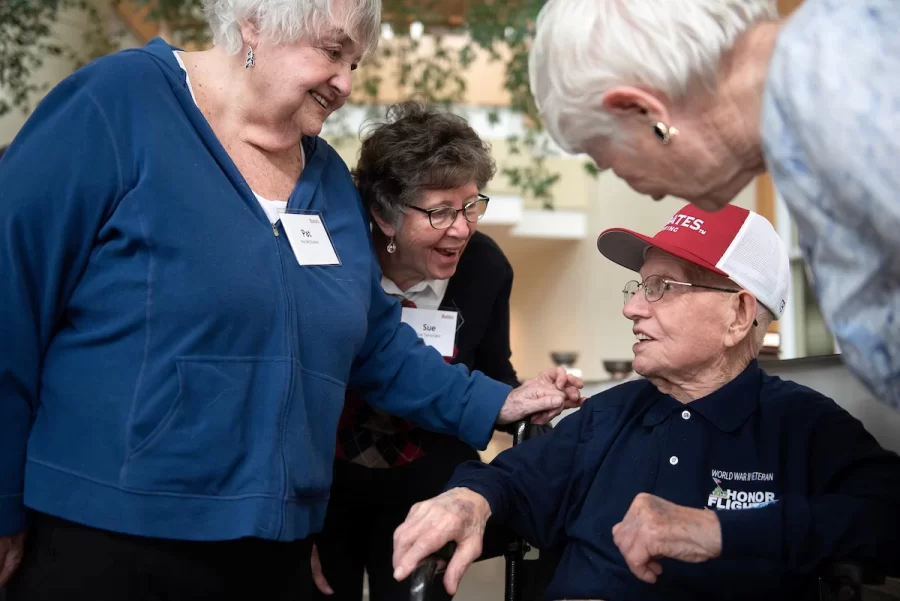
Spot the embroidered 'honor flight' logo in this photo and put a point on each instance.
(728, 498)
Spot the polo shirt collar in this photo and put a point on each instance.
(726, 408)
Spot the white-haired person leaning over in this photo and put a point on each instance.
(709, 479)
(695, 98)
(189, 287)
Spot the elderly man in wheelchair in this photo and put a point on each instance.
(708, 479)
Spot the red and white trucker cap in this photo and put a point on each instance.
(734, 242)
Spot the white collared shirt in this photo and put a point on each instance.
(427, 294)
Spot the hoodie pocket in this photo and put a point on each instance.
(311, 433)
(219, 435)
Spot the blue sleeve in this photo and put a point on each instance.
(829, 133)
(58, 180)
(398, 373)
(853, 511)
(529, 486)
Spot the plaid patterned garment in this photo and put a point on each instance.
(370, 437)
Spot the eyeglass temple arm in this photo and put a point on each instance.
(719, 288)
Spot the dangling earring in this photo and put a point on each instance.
(664, 132)
(391, 247)
(251, 58)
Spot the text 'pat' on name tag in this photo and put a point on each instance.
(309, 239)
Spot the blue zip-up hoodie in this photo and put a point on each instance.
(172, 369)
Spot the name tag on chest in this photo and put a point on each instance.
(309, 239)
(435, 328)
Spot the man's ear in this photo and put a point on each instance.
(386, 228)
(744, 323)
(626, 101)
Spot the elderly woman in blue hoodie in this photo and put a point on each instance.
(188, 289)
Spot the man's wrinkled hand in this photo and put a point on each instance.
(11, 549)
(654, 528)
(542, 398)
(457, 515)
(569, 384)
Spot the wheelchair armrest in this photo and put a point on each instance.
(524, 430)
(422, 578)
(854, 572)
(843, 580)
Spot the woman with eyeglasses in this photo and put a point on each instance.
(419, 174)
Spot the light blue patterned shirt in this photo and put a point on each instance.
(831, 136)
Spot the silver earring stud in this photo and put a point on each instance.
(664, 132)
(251, 58)
(391, 247)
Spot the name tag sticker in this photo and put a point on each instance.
(435, 328)
(309, 239)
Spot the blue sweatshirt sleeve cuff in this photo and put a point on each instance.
(480, 415)
(751, 533)
(13, 515)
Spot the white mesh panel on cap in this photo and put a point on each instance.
(757, 260)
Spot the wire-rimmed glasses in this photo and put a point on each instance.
(656, 285)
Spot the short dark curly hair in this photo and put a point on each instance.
(418, 147)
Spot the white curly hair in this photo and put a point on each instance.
(290, 20)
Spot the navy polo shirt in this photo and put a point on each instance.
(794, 479)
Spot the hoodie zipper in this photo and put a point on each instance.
(286, 402)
